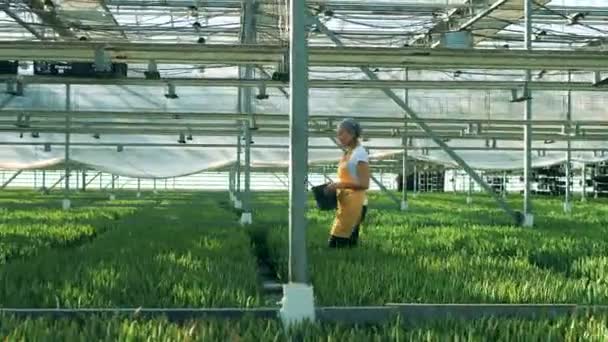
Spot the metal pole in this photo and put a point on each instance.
(415, 176)
(298, 144)
(470, 191)
(237, 175)
(247, 189)
(44, 179)
(248, 37)
(113, 181)
(66, 201)
(584, 181)
(406, 99)
(593, 178)
(527, 210)
(454, 176)
(567, 201)
(35, 180)
(504, 184)
(84, 180)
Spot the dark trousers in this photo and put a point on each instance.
(340, 242)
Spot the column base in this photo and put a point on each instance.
(469, 200)
(112, 197)
(567, 207)
(138, 195)
(297, 304)
(404, 206)
(246, 219)
(528, 220)
(238, 204)
(66, 204)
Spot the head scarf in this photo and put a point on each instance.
(351, 126)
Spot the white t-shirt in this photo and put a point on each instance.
(359, 154)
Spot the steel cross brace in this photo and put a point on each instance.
(92, 179)
(517, 217)
(57, 183)
(114, 178)
(11, 179)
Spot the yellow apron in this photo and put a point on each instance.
(350, 203)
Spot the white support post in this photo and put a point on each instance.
(297, 304)
(138, 195)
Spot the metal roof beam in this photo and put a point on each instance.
(319, 56)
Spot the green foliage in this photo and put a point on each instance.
(186, 250)
(443, 251)
(181, 251)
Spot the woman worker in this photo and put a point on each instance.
(353, 181)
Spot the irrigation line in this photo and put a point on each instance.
(409, 313)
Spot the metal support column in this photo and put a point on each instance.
(470, 191)
(298, 297)
(406, 100)
(66, 201)
(504, 184)
(528, 219)
(593, 178)
(567, 200)
(415, 176)
(138, 187)
(237, 175)
(43, 179)
(84, 180)
(248, 37)
(298, 146)
(454, 177)
(584, 182)
(413, 116)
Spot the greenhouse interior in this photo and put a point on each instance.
(166, 169)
